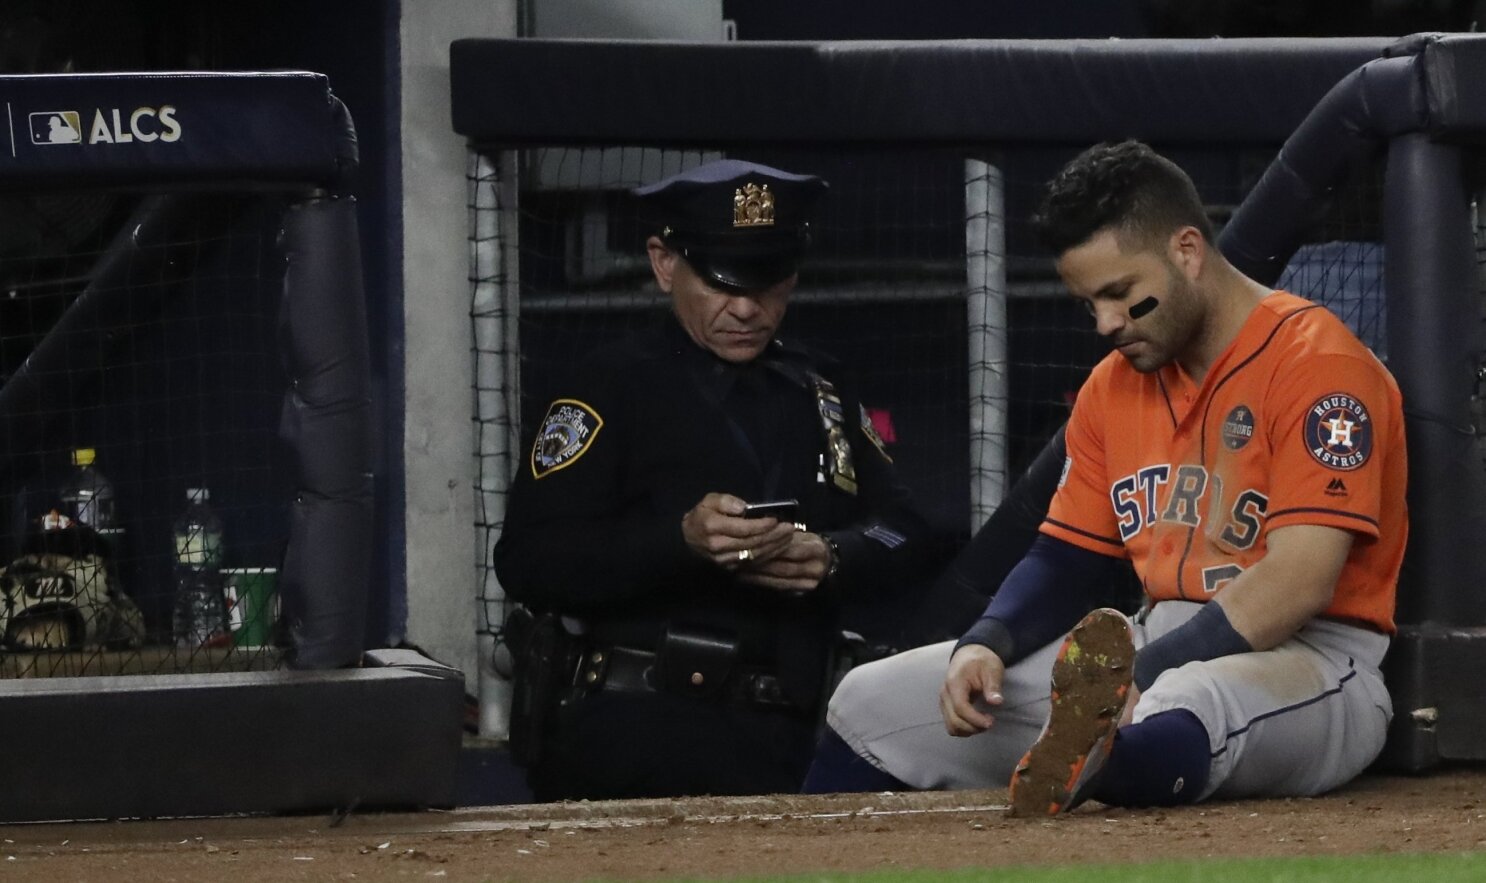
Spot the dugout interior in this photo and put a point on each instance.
(183, 295)
(1342, 169)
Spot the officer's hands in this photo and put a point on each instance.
(975, 674)
(716, 529)
(798, 567)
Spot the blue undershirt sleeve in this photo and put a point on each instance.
(1208, 635)
(1043, 596)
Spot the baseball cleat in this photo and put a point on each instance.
(1090, 685)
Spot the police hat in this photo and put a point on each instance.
(739, 224)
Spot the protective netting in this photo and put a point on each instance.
(924, 280)
(138, 356)
(1341, 262)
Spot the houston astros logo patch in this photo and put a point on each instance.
(1238, 427)
(1338, 432)
(567, 432)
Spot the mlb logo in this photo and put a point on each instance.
(56, 127)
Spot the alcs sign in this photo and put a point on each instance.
(144, 124)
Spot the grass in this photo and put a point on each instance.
(1390, 868)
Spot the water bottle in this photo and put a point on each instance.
(88, 498)
(200, 606)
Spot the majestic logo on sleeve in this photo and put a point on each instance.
(1338, 432)
(567, 432)
(1238, 427)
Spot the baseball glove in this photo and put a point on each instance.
(61, 595)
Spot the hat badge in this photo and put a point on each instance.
(753, 206)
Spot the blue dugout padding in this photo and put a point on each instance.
(127, 130)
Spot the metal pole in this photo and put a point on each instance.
(494, 314)
(985, 303)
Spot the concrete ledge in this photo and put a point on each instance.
(385, 736)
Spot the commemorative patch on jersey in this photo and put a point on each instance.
(1338, 432)
(869, 429)
(1238, 427)
(567, 433)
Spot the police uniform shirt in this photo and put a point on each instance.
(645, 430)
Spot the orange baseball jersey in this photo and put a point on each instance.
(1295, 423)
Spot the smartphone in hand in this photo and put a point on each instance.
(784, 510)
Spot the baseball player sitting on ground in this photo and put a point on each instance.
(1246, 453)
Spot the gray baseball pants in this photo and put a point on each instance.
(1299, 719)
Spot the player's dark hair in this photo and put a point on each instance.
(1127, 186)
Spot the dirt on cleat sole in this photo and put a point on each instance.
(1090, 682)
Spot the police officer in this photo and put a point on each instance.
(700, 634)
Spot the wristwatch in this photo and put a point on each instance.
(834, 564)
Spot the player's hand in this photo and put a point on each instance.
(798, 567)
(716, 530)
(975, 675)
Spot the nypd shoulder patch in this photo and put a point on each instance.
(567, 433)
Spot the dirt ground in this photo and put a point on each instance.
(721, 837)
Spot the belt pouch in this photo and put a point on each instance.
(696, 662)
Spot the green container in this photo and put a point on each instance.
(252, 604)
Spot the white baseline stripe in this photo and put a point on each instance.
(541, 824)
